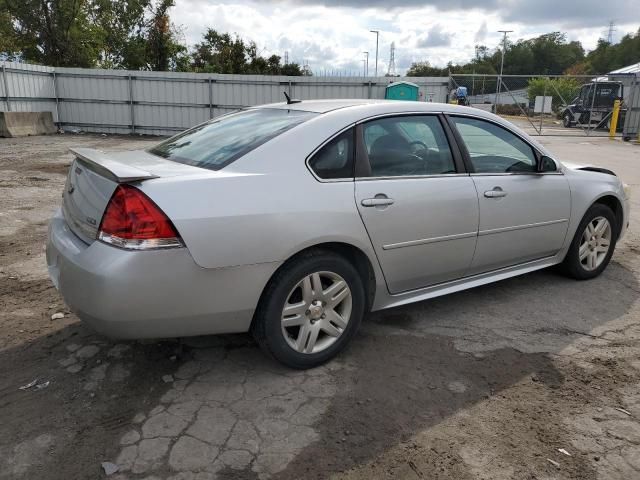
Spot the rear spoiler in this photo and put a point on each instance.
(106, 166)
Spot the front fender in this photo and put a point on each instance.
(588, 187)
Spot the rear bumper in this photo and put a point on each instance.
(151, 294)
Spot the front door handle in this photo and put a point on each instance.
(497, 192)
(377, 202)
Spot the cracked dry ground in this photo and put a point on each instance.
(484, 384)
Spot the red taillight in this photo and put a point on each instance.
(133, 220)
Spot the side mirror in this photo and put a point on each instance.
(547, 164)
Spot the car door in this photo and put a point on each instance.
(418, 206)
(524, 213)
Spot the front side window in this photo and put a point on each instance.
(407, 146)
(335, 159)
(494, 149)
(217, 143)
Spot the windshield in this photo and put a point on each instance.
(217, 143)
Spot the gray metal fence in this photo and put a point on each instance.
(160, 103)
(521, 98)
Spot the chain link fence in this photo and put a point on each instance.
(551, 104)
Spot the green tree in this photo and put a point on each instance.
(163, 51)
(424, 69)
(52, 32)
(224, 53)
(607, 57)
(563, 90)
(123, 23)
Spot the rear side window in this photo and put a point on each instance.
(217, 143)
(335, 159)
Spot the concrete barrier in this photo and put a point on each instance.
(22, 124)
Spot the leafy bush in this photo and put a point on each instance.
(563, 90)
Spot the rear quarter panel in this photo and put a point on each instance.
(267, 207)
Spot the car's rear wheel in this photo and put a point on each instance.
(310, 310)
(593, 244)
(566, 120)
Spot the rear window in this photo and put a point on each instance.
(219, 142)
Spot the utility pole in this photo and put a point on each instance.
(377, 32)
(366, 67)
(504, 48)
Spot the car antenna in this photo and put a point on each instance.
(290, 100)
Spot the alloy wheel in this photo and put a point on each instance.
(316, 312)
(595, 243)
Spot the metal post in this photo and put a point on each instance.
(6, 87)
(473, 83)
(55, 93)
(614, 119)
(544, 97)
(210, 98)
(133, 115)
(593, 99)
(366, 67)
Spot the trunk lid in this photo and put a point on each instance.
(94, 176)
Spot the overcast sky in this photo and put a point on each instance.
(332, 34)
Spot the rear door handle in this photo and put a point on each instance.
(377, 202)
(497, 192)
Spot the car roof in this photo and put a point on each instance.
(374, 105)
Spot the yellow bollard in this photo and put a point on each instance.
(614, 119)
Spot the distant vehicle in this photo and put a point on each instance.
(292, 220)
(587, 110)
(459, 96)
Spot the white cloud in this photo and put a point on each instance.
(334, 37)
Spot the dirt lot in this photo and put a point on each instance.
(484, 384)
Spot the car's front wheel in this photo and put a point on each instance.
(566, 120)
(593, 244)
(310, 310)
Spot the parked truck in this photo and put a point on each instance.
(594, 112)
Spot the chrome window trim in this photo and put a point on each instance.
(415, 177)
(504, 174)
(558, 170)
(399, 114)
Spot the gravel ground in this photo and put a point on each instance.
(485, 384)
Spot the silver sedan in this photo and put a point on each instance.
(293, 220)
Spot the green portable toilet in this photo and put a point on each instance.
(402, 91)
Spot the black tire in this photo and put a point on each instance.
(572, 266)
(566, 120)
(266, 327)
